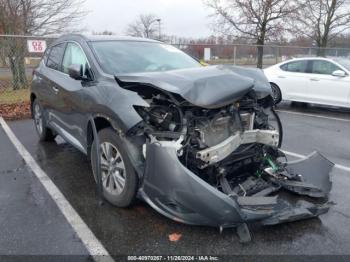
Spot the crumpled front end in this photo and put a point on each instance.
(216, 161)
(181, 195)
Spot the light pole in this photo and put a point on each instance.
(159, 27)
(160, 35)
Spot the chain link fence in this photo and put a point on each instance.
(247, 55)
(19, 55)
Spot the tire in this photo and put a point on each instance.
(299, 104)
(280, 127)
(44, 133)
(112, 177)
(276, 93)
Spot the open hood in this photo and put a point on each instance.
(207, 87)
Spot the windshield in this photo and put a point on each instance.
(116, 57)
(343, 62)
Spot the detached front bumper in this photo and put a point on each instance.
(176, 192)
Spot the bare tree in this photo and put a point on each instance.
(144, 26)
(324, 20)
(256, 20)
(40, 17)
(34, 17)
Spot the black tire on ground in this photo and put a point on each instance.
(276, 93)
(128, 194)
(298, 104)
(44, 132)
(280, 127)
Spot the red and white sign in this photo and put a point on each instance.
(36, 46)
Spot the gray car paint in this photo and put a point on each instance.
(177, 193)
(168, 186)
(207, 87)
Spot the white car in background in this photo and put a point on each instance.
(317, 80)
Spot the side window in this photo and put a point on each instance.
(74, 55)
(46, 55)
(55, 57)
(296, 66)
(323, 67)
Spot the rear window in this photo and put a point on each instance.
(54, 59)
(296, 66)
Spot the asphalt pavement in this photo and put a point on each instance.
(30, 222)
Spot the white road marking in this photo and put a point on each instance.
(293, 154)
(92, 244)
(341, 167)
(313, 115)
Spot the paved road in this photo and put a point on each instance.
(30, 222)
(141, 230)
(317, 128)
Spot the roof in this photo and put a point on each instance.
(307, 58)
(312, 57)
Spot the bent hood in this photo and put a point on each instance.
(207, 87)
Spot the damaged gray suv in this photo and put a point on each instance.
(198, 144)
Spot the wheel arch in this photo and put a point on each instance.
(100, 122)
(274, 83)
(132, 147)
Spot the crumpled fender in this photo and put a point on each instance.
(176, 192)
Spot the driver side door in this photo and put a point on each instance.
(72, 112)
(326, 88)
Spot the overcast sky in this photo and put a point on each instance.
(187, 18)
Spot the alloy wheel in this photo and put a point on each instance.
(38, 119)
(275, 94)
(113, 172)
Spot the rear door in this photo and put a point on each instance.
(326, 88)
(293, 80)
(50, 74)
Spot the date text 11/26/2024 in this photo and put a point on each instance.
(173, 258)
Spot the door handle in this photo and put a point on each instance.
(281, 77)
(55, 89)
(314, 79)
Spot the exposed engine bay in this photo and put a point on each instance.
(214, 141)
(220, 165)
(233, 148)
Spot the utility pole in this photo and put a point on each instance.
(159, 28)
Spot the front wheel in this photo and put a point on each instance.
(118, 178)
(276, 93)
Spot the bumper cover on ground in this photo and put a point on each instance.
(176, 192)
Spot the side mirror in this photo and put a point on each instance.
(76, 71)
(339, 73)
